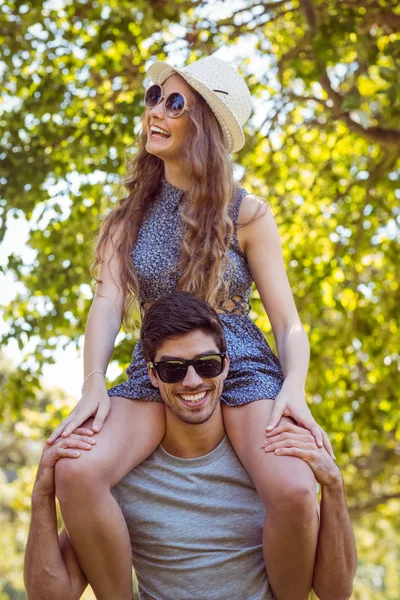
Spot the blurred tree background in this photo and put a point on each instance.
(322, 147)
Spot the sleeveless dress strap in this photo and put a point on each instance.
(237, 304)
(234, 210)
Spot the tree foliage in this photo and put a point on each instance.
(322, 148)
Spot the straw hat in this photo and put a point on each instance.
(222, 88)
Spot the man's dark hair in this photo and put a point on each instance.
(177, 314)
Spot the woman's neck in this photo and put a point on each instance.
(173, 174)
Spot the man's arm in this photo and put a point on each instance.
(336, 558)
(51, 569)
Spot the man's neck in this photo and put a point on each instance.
(186, 440)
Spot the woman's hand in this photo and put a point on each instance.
(95, 402)
(289, 403)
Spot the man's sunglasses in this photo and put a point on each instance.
(174, 106)
(174, 370)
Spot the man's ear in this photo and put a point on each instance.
(152, 376)
(226, 367)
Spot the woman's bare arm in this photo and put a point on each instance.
(103, 325)
(260, 241)
(105, 315)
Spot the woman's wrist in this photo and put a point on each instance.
(296, 382)
(94, 379)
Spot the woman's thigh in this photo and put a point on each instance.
(131, 432)
(275, 477)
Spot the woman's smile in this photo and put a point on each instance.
(158, 132)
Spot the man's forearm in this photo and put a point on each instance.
(45, 573)
(336, 552)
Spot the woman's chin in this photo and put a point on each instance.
(154, 148)
(158, 150)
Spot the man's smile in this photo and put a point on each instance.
(194, 399)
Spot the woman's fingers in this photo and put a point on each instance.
(276, 416)
(75, 421)
(79, 416)
(57, 432)
(308, 421)
(101, 416)
(319, 434)
(78, 419)
(328, 445)
(66, 427)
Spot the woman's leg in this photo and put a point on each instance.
(286, 486)
(91, 515)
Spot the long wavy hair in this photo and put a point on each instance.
(207, 225)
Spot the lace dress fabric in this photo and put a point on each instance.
(255, 372)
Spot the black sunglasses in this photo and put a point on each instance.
(174, 106)
(175, 369)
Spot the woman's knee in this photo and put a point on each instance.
(290, 488)
(75, 478)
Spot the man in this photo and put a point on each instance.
(193, 514)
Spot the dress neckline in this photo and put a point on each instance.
(169, 187)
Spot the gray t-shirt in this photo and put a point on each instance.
(196, 527)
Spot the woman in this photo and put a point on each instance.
(192, 228)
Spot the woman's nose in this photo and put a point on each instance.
(158, 110)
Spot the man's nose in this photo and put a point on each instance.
(192, 379)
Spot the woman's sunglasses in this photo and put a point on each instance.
(174, 106)
(174, 370)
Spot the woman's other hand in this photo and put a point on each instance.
(289, 403)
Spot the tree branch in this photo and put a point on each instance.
(300, 98)
(371, 463)
(3, 225)
(267, 6)
(358, 510)
(389, 138)
(376, 14)
(310, 14)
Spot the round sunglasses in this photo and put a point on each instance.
(174, 370)
(174, 106)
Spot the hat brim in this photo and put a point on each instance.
(160, 71)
